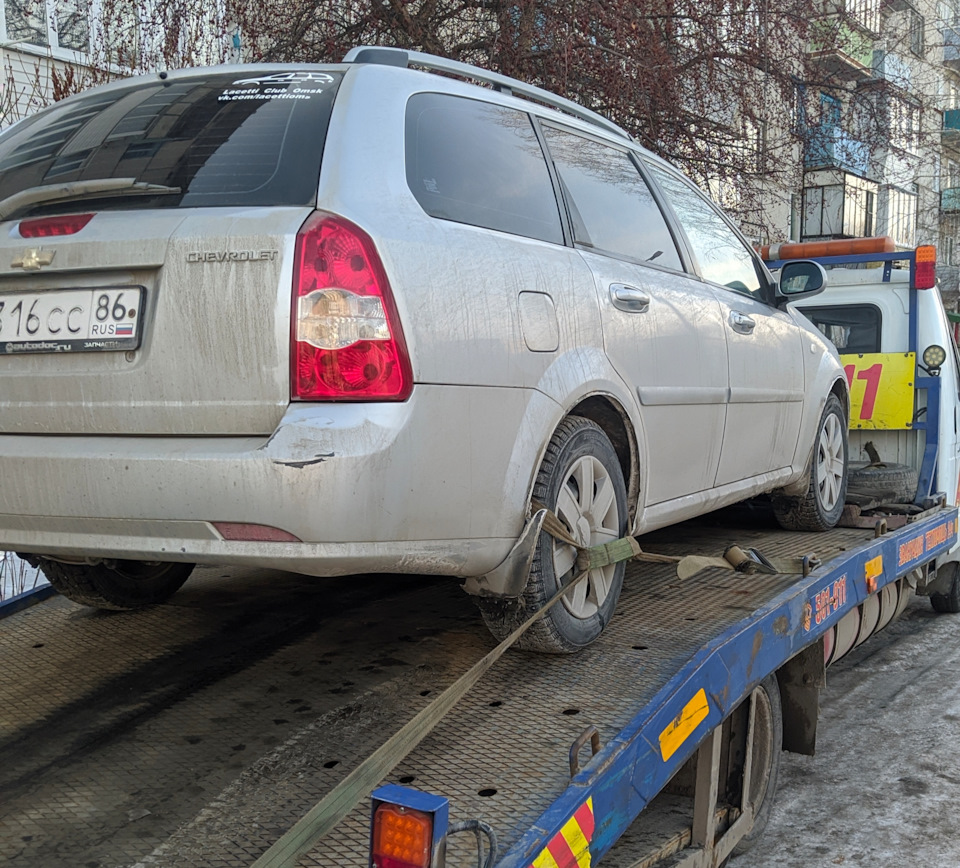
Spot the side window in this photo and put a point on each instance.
(482, 164)
(853, 328)
(611, 207)
(722, 256)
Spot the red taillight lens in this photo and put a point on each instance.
(347, 344)
(925, 267)
(402, 837)
(50, 227)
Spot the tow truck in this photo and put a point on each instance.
(659, 744)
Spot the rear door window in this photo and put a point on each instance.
(225, 139)
(611, 208)
(478, 163)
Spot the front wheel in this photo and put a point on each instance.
(122, 585)
(581, 481)
(820, 508)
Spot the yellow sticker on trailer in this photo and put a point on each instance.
(683, 725)
(881, 389)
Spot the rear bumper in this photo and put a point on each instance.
(436, 485)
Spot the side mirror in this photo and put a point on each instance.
(801, 278)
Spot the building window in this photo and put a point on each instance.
(27, 21)
(49, 23)
(916, 32)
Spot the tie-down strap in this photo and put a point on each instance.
(735, 558)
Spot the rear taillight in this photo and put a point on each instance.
(347, 344)
(925, 267)
(50, 227)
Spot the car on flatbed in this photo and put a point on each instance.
(358, 317)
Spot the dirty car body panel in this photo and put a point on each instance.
(502, 314)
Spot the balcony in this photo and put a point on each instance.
(828, 147)
(950, 199)
(840, 51)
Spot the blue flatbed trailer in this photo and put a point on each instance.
(678, 660)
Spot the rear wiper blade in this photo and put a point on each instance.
(80, 190)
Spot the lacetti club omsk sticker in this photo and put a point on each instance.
(281, 85)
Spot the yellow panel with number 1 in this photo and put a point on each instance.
(881, 389)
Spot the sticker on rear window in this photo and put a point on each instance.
(288, 78)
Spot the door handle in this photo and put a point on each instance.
(741, 322)
(628, 298)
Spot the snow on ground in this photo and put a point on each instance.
(17, 576)
(882, 790)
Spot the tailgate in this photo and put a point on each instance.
(211, 334)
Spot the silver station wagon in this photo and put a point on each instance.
(363, 317)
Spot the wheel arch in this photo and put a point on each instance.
(613, 419)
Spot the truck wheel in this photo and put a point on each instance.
(894, 483)
(765, 765)
(949, 601)
(125, 585)
(820, 508)
(581, 481)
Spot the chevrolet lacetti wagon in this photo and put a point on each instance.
(360, 317)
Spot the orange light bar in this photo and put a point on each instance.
(925, 270)
(840, 247)
(402, 837)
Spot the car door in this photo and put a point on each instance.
(662, 331)
(764, 344)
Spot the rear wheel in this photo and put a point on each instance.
(581, 481)
(122, 585)
(765, 759)
(820, 508)
(948, 601)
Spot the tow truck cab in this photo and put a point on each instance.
(884, 312)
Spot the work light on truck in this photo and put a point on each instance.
(933, 358)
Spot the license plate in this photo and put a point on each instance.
(71, 320)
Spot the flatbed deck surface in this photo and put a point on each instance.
(197, 732)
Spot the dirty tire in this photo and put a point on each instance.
(948, 603)
(767, 747)
(126, 585)
(893, 483)
(820, 508)
(580, 476)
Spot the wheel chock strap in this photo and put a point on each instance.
(734, 558)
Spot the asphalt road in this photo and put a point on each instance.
(884, 786)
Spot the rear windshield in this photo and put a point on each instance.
(241, 139)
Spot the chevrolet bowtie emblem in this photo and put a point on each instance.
(34, 259)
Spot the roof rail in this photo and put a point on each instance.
(502, 83)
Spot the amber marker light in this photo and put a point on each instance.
(402, 837)
(407, 828)
(925, 269)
